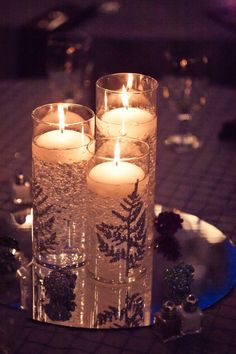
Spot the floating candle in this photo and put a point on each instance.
(115, 177)
(130, 121)
(62, 145)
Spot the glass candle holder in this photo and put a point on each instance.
(126, 106)
(70, 297)
(61, 133)
(118, 200)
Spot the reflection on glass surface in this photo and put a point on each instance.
(211, 254)
(208, 231)
(72, 298)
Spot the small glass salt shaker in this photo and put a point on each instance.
(190, 315)
(168, 322)
(21, 190)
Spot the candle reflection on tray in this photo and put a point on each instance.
(22, 219)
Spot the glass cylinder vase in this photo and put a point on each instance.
(118, 201)
(126, 106)
(61, 133)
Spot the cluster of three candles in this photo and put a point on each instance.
(70, 146)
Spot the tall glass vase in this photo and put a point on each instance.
(61, 133)
(118, 200)
(126, 106)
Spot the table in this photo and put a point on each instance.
(201, 183)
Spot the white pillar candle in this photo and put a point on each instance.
(115, 179)
(131, 121)
(67, 147)
(62, 145)
(128, 120)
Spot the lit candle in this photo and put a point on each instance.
(115, 177)
(130, 121)
(62, 145)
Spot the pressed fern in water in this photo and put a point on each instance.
(131, 315)
(43, 225)
(127, 240)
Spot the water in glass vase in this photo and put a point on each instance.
(118, 232)
(148, 133)
(59, 208)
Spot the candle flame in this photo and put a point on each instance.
(117, 152)
(61, 117)
(130, 81)
(124, 97)
(82, 136)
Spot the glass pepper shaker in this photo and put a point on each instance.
(168, 322)
(190, 315)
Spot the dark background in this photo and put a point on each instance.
(128, 35)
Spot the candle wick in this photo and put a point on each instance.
(116, 163)
(62, 130)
